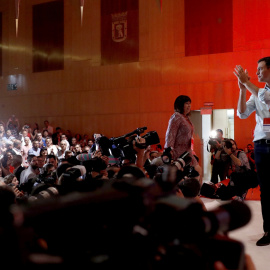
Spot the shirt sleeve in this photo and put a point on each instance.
(172, 130)
(264, 96)
(251, 107)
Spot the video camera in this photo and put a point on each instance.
(124, 143)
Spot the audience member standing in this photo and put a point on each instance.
(48, 127)
(25, 148)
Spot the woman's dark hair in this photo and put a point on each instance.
(179, 103)
(43, 149)
(234, 142)
(4, 159)
(8, 178)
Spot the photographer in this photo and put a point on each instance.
(241, 176)
(219, 166)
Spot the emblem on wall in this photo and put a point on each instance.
(119, 26)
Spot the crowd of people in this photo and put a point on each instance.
(40, 163)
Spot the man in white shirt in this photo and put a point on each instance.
(51, 148)
(259, 103)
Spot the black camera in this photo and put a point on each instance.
(48, 178)
(124, 144)
(183, 161)
(167, 156)
(151, 138)
(213, 141)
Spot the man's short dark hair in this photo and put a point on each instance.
(30, 157)
(17, 158)
(266, 60)
(219, 130)
(52, 156)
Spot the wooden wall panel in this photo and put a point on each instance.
(161, 100)
(185, 70)
(116, 99)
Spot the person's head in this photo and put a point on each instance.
(78, 148)
(7, 159)
(35, 144)
(17, 144)
(43, 151)
(68, 154)
(48, 141)
(32, 160)
(9, 155)
(11, 179)
(16, 161)
(234, 145)
(45, 133)
(219, 134)
(25, 133)
(86, 149)
(249, 147)
(73, 141)
(49, 168)
(39, 136)
(40, 161)
(190, 187)
(58, 130)
(182, 104)
(2, 129)
(53, 160)
(263, 70)
(90, 142)
(63, 137)
(153, 154)
(26, 140)
(8, 133)
(9, 144)
(46, 123)
(63, 145)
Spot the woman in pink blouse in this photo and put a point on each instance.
(180, 131)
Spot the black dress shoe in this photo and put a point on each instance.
(265, 240)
